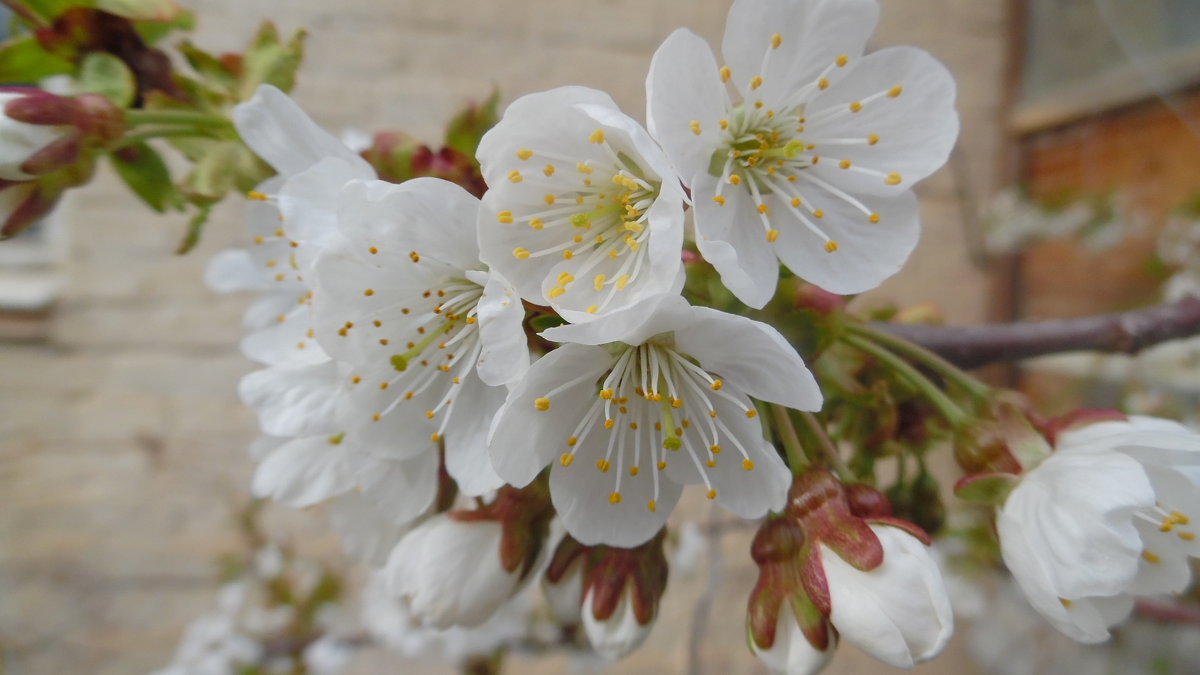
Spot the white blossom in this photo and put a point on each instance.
(1106, 517)
(663, 404)
(812, 160)
(584, 212)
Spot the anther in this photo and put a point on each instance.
(725, 73)
(895, 91)
(614, 498)
(712, 494)
(719, 199)
(515, 176)
(524, 154)
(747, 465)
(776, 40)
(603, 465)
(842, 60)
(597, 136)
(772, 235)
(751, 413)
(695, 125)
(756, 82)
(566, 459)
(893, 178)
(548, 170)
(831, 246)
(520, 253)
(504, 217)
(855, 106)
(874, 218)
(541, 403)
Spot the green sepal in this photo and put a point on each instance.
(145, 172)
(471, 123)
(24, 60)
(269, 61)
(990, 488)
(544, 321)
(105, 74)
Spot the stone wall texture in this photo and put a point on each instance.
(122, 442)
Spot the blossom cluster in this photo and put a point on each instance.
(486, 389)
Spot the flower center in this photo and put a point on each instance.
(428, 342)
(653, 403)
(1169, 521)
(595, 214)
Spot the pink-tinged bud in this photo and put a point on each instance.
(35, 124)
(457, 568)
(621, 591)
(791, 651)
(1003, 440)
(819, 300)
(836, 563)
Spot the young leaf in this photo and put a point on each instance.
(104, 74)
(145, 172)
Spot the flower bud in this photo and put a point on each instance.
(621, 589)
(457, 568)
(37, 133)
(837, 559)
(791, 652)
(563, 581)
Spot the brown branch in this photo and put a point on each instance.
(1123, 332)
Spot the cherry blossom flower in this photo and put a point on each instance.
(584, 212)
(812, 160)
(664, 403)
(791, 653)
(421, 328)
(1108, 516)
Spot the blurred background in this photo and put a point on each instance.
(123, 463)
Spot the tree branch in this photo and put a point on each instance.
(1123, 332)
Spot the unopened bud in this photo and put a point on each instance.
(37, 133)
(622, 589)
(819, 300)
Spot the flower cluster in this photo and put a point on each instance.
(533, 349)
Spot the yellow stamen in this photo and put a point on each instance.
(831, 246)
(566, 459)
(524, 154)
(725, 73)
(541, 403)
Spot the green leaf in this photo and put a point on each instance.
(214, 174)
(154, 31)
(209, 68)
(102, 73)
(23, 61)
(268, 61)
(546, 321)
(471, 123)
(145, 172)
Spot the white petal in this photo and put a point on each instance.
(1067, 526)
(467, 459)
(814, 34)
(234, 270)
(750, 355)
(683, 86)
(632, 325)
(867, 253)
(303, 472)
(267, 309)
(277, 130)
(916, 129)
(401, 490)
(524, 439)
(581, 494)
(293, 400)
(287, 342)
(308, 204)
(367, 535)
(505, 354)
(898, 612)
(430, 216)
(733, 239)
